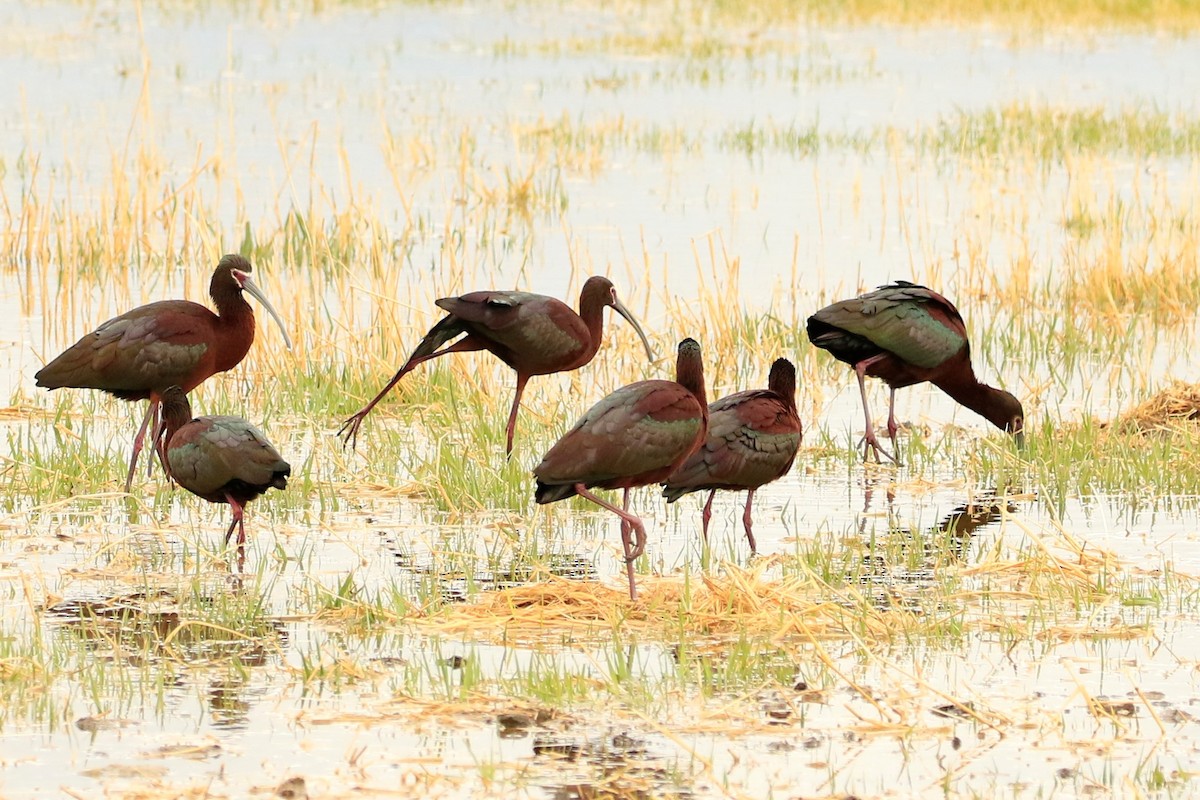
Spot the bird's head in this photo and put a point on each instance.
(689, 371)
(236, 268)
(782, 380)
(1008, 415)
(599, 289)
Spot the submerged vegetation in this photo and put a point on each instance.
(410, 621)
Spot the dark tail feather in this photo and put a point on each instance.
(673, 493)
(553, 492)
(451, 327)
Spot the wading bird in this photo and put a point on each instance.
(531, 333)
(752, 440)
(908, 334)
(219, 459)
(636, 436)
(172, 342)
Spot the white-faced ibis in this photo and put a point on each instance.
(531, 333)
(137, 355)
(908, 334)
(220, 459)
(636, 436)
(752, 440)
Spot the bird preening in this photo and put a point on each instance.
(140, 353)
(532, 333)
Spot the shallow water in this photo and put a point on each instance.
(276, 96)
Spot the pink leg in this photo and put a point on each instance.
(512, 415)
(747, 523)
(626, 542)
(639, 543)
(625, 527)
(892, 426)
(869, 440)
(237, 521)
(632, 549)
(138, 441)
(706, 515)
(160, 447)
(350, 427)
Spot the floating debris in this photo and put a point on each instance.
(292, 789)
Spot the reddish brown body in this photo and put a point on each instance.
(532, 333)
(220, 459)
(752, 439)
(636, 436)
(908, 334)
(138, 354)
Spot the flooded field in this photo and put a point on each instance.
(979, 621)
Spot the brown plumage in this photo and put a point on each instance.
(531, 333)
(752, 440)
(138, 354)
(636, 436)
(220, 459)
(908, 334)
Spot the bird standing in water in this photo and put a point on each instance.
(220, 459)
(531, 333)
(138, 354)
(636, 436)
(907, 334)
(752, 440)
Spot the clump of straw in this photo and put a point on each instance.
(1177, 403)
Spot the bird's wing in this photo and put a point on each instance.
(638, 428)
(542, 333)
(212, 451)
(153, 345)
(917, 325)
(494, 309)
(752, 439)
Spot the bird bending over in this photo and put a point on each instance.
(752, 440)
(636, 436)
(908, 334)
(220, 459)
(531, 333)
(138, 354)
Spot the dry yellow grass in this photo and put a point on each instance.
(1178, 403)
(758, 601)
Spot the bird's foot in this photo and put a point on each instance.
(633, 539)
(349, 430)
(871, 446)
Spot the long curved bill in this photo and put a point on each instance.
(257, 293)
(620, 308)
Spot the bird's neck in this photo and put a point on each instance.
(235, 322)
(592, 314)
(175, 414)
(967, 390)
(691, 377)
(789, 400)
